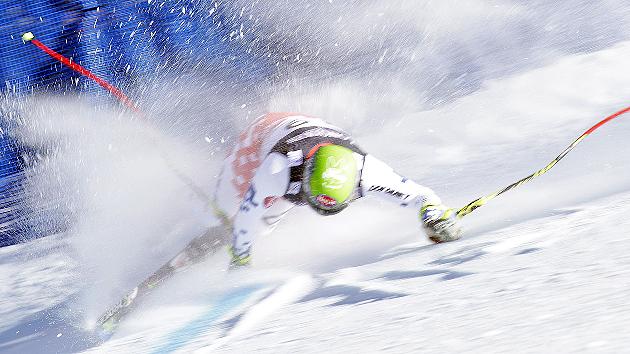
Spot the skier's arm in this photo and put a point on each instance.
(439, 221)
(380, 180)
(271, 180)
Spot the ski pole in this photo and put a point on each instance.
(470, 207)
(198, 191)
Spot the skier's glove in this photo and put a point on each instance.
(440, 223)
(238, 260)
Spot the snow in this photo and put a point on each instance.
(483, 294)
(542, 268)
(562, 289)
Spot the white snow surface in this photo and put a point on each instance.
(543, 268)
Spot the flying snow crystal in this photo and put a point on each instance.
(382, 58)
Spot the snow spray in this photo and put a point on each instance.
(124, 99)
(469, 208)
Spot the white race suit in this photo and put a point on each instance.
(261, 177)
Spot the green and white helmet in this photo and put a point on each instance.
(329, 178)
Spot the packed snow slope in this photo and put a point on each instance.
(474, 98)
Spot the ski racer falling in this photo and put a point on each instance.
(284, 160)
(280, 161)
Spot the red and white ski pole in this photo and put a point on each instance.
(29, 37)
(124, 99)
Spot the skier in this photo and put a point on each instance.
(286, 159)
(280, 161)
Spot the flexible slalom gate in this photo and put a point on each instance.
(469, 208)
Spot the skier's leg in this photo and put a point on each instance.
(240, 248)
(226, 196)
(226, 201)
(200, 247)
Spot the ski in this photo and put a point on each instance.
(196, 251)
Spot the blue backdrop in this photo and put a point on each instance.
(118, 41)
